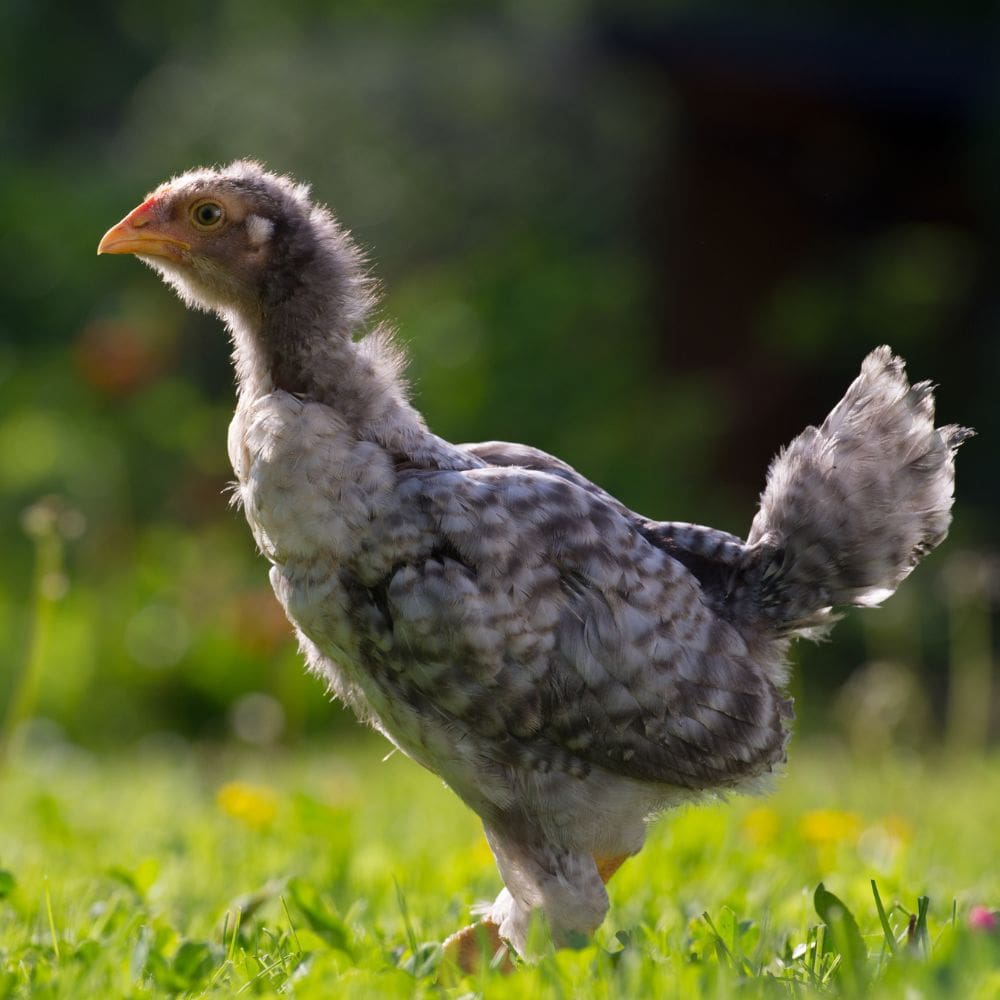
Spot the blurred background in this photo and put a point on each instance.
(656, 239)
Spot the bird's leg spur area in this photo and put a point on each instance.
(606, 867)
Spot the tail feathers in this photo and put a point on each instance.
(852, 506)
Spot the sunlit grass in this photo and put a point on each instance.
(209, 872)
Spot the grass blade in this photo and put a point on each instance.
(52, 922)
(410, 936)
(890, 939)
(922, 936)
(846, 939)
(720, 945)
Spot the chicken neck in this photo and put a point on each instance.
(299, 338)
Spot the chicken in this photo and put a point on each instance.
(567, 666)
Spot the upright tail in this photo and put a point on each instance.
(852, 506)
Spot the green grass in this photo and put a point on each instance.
(329, 873)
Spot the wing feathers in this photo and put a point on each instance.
(554, 621)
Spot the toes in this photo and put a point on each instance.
(477, 946)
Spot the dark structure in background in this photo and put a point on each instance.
(799, 142)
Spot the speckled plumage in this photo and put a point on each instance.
(567, 666)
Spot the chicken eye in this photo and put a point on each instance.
(207, 214)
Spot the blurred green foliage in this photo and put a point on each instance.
(506, 167)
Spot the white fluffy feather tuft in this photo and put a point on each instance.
(259, 229)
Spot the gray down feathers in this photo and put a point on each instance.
(850, 507)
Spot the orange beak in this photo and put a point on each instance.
(139, 233)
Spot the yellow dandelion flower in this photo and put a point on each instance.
(761, 825)
(254, 805)
(829, 826)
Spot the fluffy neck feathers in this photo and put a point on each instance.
(299, 338)
(296, 333)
